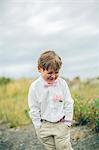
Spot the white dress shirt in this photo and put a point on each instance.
(50, 102)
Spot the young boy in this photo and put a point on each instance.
(51, 105)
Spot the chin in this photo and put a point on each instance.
(50, 82)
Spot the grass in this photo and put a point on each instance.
(14, 107)
(13, 102)
(86, 108)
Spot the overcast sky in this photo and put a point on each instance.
(28, 27)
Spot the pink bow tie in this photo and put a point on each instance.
(49, 85)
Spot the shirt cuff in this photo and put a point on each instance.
(68, 122)
(37, 124)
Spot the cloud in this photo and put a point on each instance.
(14, 70)
(29, 27)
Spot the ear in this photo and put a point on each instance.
(39, 68)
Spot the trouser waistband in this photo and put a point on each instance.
(61, 120)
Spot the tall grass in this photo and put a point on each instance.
(14, 108)
(86, 106)
(13, 102)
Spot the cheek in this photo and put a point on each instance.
(46, 76)
(56, 76)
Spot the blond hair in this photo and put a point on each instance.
(49, 60)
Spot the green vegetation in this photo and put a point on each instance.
(14, 107)
(4, 80)
(86, 107)
(13, 102)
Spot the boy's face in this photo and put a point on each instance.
(49, 75)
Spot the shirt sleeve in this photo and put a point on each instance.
(68, 106)
(34, 108)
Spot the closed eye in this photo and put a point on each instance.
(50, 72)
(56, 72)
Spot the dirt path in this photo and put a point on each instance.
(82, 138)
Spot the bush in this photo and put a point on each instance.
(95, 108)
(4, 81)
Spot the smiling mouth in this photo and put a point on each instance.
(50, 78)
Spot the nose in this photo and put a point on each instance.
(53, 75)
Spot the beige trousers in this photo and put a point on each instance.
(54, 136)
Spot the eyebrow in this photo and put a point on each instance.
(50, 72)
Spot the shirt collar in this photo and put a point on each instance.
(46, 84)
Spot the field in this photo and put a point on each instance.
(14, 108)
